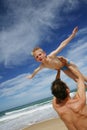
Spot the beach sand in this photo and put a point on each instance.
(52, 124)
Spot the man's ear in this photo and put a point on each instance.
(68, 90)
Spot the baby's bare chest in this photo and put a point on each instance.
(53, 63)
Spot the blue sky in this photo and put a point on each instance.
(25, 24)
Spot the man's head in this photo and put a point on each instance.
(60, 90)
(38, 54)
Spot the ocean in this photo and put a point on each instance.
(26, 115)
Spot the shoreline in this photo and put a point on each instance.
(51, 124)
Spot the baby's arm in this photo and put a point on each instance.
(35, 71)
(65, 42)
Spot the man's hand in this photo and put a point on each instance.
(63, 60)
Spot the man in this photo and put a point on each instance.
(73, 111)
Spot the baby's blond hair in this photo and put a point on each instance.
(35, 49)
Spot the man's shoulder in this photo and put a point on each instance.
(75, 104)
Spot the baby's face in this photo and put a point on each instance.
(39, 55)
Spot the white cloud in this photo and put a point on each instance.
(31, 22)
(21, 87)
(20, 83)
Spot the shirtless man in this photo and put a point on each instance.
(73, 111)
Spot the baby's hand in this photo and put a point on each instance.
(75, 30)
(29, 77)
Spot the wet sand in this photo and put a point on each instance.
(52, 124)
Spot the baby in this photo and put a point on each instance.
(52, 61)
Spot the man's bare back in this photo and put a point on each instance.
(74, 117)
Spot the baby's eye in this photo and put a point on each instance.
(39, 54)
(36, 57)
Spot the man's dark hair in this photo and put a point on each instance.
(58, 89)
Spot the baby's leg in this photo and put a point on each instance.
(72, 65)
(69, 73)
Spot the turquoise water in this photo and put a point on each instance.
(26, 106)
